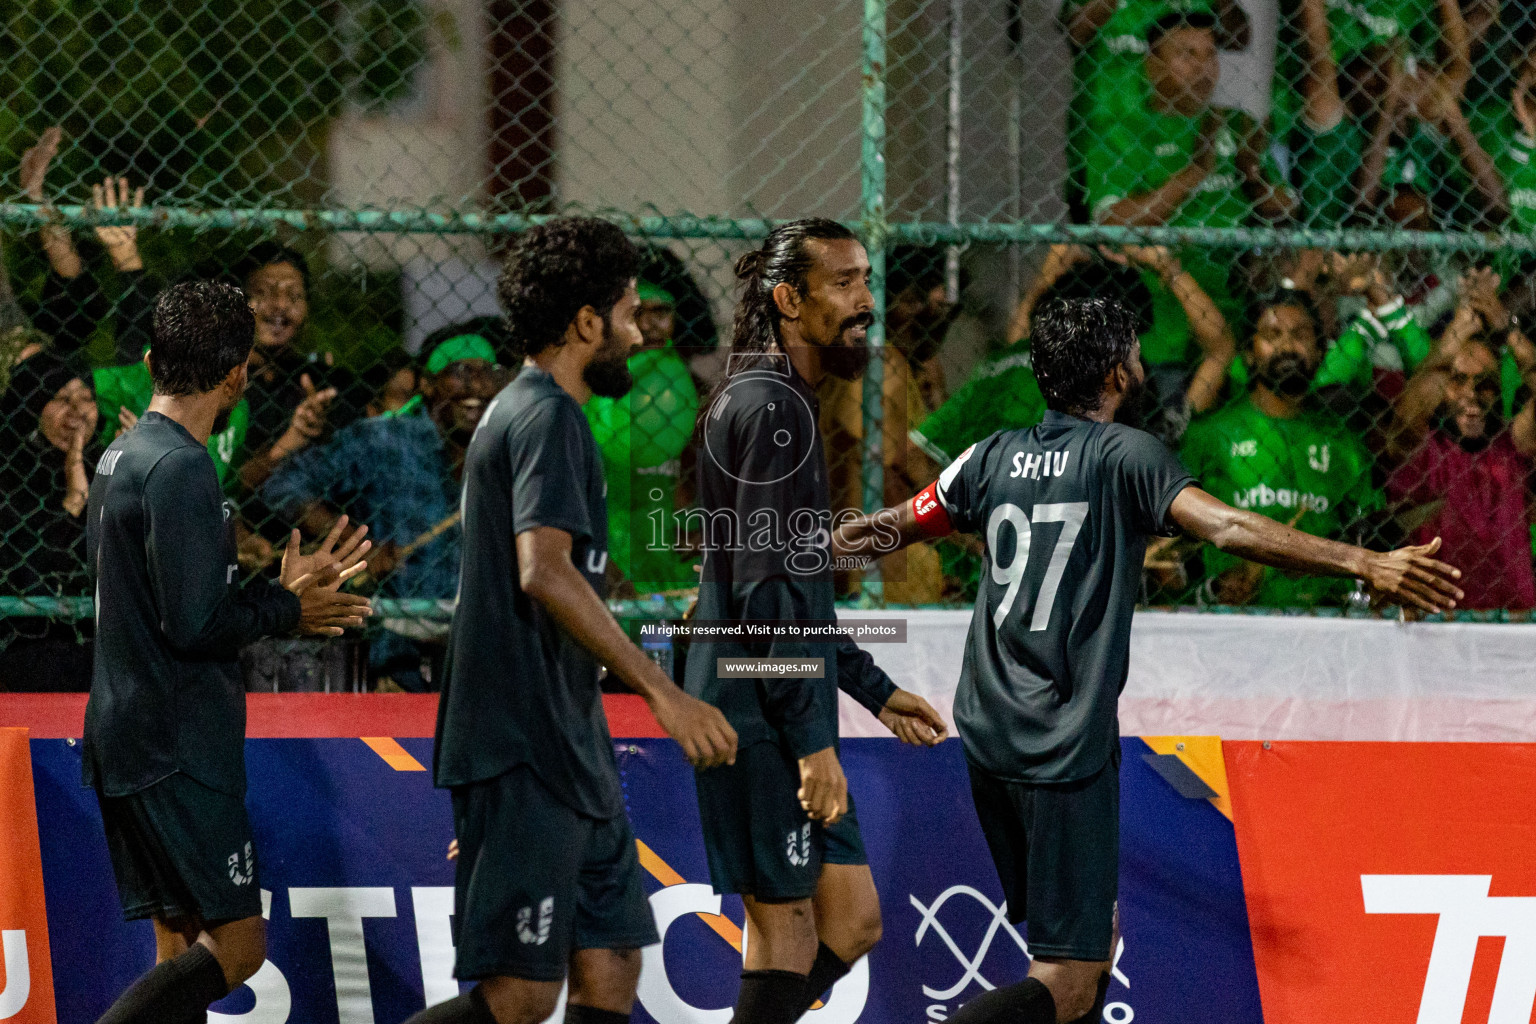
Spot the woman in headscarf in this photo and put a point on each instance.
(48, 422)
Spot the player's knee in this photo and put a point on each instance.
(514, 1001)
(241, 949)
(605, 978)
(866, 935)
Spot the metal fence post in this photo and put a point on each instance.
(875, 229)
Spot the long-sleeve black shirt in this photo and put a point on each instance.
(171, 617)
(763, 487)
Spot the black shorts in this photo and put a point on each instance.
(536, 880)
(1057, 851)
(759, 839)
(182, 850)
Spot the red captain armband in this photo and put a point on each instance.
(932, 518)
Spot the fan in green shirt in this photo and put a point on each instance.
(1270, 453)
(1174, 160)
(127, 390)
(1110, 40)
(642, 437)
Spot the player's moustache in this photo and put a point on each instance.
(844, 359)
(1287, 374)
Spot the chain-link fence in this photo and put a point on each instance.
(1318, 209)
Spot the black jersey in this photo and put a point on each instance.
(1065, 509)
(171, 616)
(764, 495)
(517, 689)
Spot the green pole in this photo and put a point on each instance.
(874, 227)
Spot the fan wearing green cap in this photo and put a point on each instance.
(642, 437)
(400, 473)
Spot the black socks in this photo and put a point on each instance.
(575, 1013)
(1028, 1002)
(827, 971)
(177, 990)
(469, 1008)
(770, 997)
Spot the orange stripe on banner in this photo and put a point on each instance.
(1202, 754)
(664, 873)
(394, 755)
(22, 909)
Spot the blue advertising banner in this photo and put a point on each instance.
(352, 842)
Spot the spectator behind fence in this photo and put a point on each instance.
(1109, 40)
(1268, 451)
(47, 453)
(296, 399)
(1383, 136)
(1175, 160)
(642, 438)
(72, 304)
(400, 473)
(918, 314)
(1466, 468)
(1506, 126)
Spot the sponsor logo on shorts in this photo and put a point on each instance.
(797, 845)
(527, 934)
(248, 875)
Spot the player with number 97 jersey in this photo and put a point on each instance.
(1065, 509)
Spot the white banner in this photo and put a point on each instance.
(1273, 677)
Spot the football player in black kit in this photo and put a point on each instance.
(779, 825)
(1065, 509)
(165, 723)
(547, 878)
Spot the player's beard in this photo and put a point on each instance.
(1287, 374)
(847, 360)
(608, 373)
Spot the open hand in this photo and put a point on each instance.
(1412, 576)
(35, 161)
(700, 729)
(336, 560)
(913, 720)
(823, 787)
(121, 242)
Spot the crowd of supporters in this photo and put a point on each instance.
(1377, 397)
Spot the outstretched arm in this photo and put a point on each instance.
(1408, 575)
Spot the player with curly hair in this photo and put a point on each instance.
(548, 876)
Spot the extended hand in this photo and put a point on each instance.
(308, 421)
(823, 787)
(913, 720)
(700, 729)
(1411, 576)
(335, 561)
